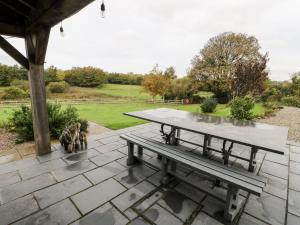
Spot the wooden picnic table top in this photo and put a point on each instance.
(259, 135)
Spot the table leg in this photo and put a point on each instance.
(252, 162)
(233, 204)
(206, 144)
(130, 159)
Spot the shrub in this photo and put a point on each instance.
(241, 108)
(291, 101)
(15, 93)
(58, 87)
(209, 105)
(85, 77)
(22, 84)
(59, 118)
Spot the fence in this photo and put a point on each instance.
(89, 101)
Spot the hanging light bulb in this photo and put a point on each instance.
(102, 8)
(61, 29)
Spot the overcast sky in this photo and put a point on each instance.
(137, 34)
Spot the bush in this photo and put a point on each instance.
(15, 93)
(291, 101)
(241, 108)
(209, 105)
(59, 118)
(22, 84)
(58, 87)
(85, 77)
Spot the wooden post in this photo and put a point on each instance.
(36, 47)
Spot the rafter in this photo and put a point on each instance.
(11, 30)
(27, 4)
(19, 9)
(13, 52)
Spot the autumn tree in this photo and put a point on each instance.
(296, 83)
(170, 73)
(215, 67)
(156, 83)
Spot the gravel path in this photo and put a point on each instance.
(288, 116)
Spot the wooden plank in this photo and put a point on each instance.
(12, 29)
(16, 7)
(221, 176)
(13, 52)
(237, 173)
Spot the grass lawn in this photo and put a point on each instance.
(111, 115)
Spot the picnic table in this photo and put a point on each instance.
(257, 136)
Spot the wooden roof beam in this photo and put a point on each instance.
(12, 30)
(27, 4)
(19, 9)
(13, 52)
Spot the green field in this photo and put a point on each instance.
(111, 115)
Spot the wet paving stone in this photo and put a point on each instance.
(80, 156)
(102, 173)
(97, 195)
(130, 213)
(155, 179)
(178, 204)
(295, 167)
(294, 202)
(292, 219)
(249, 220)
(134, 175)
(139, 221)
(295, 157)
(59, 214)
(203, 218)
(281, 159)
(106, 215)
(17, 165)
(131, 196)
(18, 209)
(53, 155)
(111, 139)
(9, 178)
(148, 202)
(295, 149)
(60, 191)
(275, 169)
(109, 147)
(14, 191)
(106, 158)
(160, 216)
(275, 186)
(73, 170)
(212, 206)
(294, 182)
(39, 169)
(268, 208)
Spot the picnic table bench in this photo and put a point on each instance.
(236, 178)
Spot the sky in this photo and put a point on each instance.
(137, 34)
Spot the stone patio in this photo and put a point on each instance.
(96, 187)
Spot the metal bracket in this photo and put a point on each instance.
(226, 153)
(252, 162)
(169, 138)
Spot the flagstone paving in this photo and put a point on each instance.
(95, 186)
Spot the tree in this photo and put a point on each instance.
(156, 83)
(170, 73)
(51, 75)
(296, 83)
(215, 66)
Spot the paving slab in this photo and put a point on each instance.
(103, 173)
(80, 156)
(41, 168)
(106, 158)
(16, 165)
(178, 204)
(292, 219)
(50, 156)
(268, 208)
(275, 185)
(73, 170)
(281, 159)
(295, 149)
(151, 200)
(17, 209)
(14, 191)
(134, 175)
(9, 178)
(160, 216)
(108, 147)
(139, 221)
(60, 191)
(130, 213)
(131, 196)
(212, 206)
(295, 167)
(295, 157)
(275, 169)
(59, 214)
(111, 139)
(204, 219)
(250, 220)
(106, 215)
(294, 202)
(294, 182)
(97, 195)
